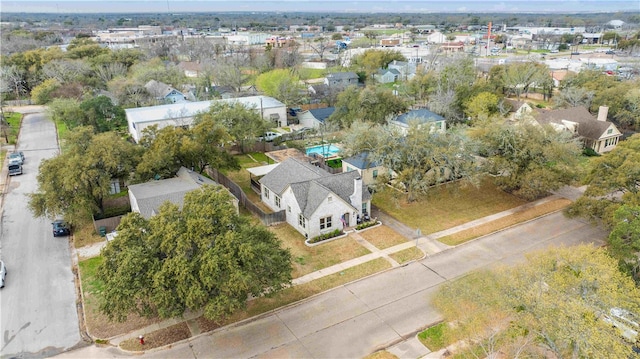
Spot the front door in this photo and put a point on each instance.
(345, 217)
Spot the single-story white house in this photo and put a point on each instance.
(146, 198)
(181, 114)
(316, 117)
(315, 201)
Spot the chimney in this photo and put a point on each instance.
(602, 113)
(356, 197)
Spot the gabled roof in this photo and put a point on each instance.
(342, 75)
(398, 63)
(151, 195)
(384, 71)
(321, 114)
(291, 171)
(421, 115)
(159, 89)
(361, 161)
(588, 126)
(310, 194)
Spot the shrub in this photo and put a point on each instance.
(324, 237)
(590, 152)
(364, 225)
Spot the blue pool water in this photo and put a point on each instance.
(322, 150)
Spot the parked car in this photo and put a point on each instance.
(3, 273)
(60, 228)
(15, 169)
(16, 158)
(269, 136)
(610, 52)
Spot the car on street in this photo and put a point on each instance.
(14, 169)
(3, 273)
(60, 228)
(16, 158)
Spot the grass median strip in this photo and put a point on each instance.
(159, 338)
(407, 255)
(504, 222)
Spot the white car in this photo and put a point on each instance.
(3, 273)
(269, 136)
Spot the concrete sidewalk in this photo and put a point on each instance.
(410, 348)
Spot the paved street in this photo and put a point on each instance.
(38, 304)
(356, 319)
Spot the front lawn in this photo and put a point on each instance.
(310, 259)
(98, 324)
(382, 237)
(433, 337)
(446, 206)
(10, 134)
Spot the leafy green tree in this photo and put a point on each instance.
(244, 124)
(482, 106)
(612, 180)
(419, 159)
(65, 110)
(372, 60)
(374, 105)
(41, 94)
(624, 239)
(198, 147)
(529, 160)
(203, 257)
(281, 84)
(100, 113)
(74, 183)
(556, 302)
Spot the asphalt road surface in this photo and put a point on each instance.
(359, 318)
(38, 304)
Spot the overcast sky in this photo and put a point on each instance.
(176, 6)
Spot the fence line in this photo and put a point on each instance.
(266, 218)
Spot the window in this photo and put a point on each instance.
(277, 201)
(609, 131)
(325, 222)
(266, 193)
(302, 222)
(375, 174)
(289, 209)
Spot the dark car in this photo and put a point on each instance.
(60, 228)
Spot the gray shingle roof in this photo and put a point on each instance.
(342, 75)
(321, 114)
(588, 126)
(151, 195)
(361, 161)
(310, 184)
(421, 115)
(291, 171)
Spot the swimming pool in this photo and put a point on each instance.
(323, 150)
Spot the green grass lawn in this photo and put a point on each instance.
(310, 259)
(11, 134)
(433, 337)
(446, 206)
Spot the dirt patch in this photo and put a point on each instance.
(158, 338)
(207, 325)
(99, 325)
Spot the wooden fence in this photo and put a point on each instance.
(266, 218)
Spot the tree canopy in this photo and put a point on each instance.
(557, 304)
(528, 160)
(418, 159)
(370, 104)
(281, 84)
(74, 183)
(201, 257)
(243, 124)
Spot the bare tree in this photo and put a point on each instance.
(228, 72)
(110, 71)
(65, 71)
(320, 46)
(12, 79)
(574, 96)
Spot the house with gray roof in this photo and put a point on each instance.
(146, 198)
(315, 201)
(316, 117)
(595, 132)
(385, 76)
(164, 93)
(407, 70)
(341, 79)
(182, 114)
(364, 165)
(422, 117)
